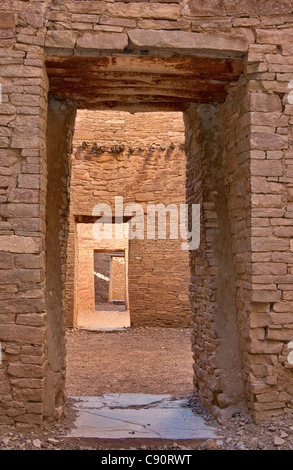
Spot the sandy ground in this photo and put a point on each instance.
(106, 315)
(138, 360)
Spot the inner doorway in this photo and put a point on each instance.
(101, 277)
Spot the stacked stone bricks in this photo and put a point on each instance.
(241, 285)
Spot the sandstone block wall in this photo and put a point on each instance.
(255, 136)
(140, 157)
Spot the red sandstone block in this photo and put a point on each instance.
(267, 397)
(28, 261)
(270, 406)
(266, 296)
(18, 333)
(84, 18)
(20, 210)
(284, 279)
(265, 103)
(29, 181)
(269, 268)
(25, 370)
(9, 276)
(260, 184)
(33, 350)
(268, 200)
(280, 334)
(283, 232)
(266, 168)
(31, 319)
(7, 20)
(281, 36)
(281, 318)
(267, 141)
(33, 19)
(144, 10)
(269, 244)
(27, 225)
(288, 295)
(92, 7)
(31, 359)
(30, 418)
(6, 261)
(258, 320)
(283, 307)
(266, 347)
(265, 279)
(24, 195)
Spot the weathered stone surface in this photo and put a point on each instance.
(7, 20)
(257, 7)
(265, 167)
(205, 8)
(85, 6)
(103, 41)
(32, 319)
(180, 40)
(263, 141)
(19, 334)
(265, 103)
(144, 10)
(20, 210)
(31, 261)
(25, 370)
(266, 295)
(238, 7)
(266, 347)
(6, 261)
(17, 244)
(281, 36)
(61, 39)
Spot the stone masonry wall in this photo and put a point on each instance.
(260, 33)
(140, 157)
(213, 289)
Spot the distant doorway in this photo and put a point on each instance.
(102, 288)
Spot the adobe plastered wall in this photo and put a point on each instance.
(117, 278)
(261, 32)
(141, 158)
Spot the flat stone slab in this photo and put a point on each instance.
(137, 416)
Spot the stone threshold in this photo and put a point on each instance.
(128, 419)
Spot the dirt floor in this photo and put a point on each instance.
(143, 360)
(139, 360)
(106, 315)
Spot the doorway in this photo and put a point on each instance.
(201, 122)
